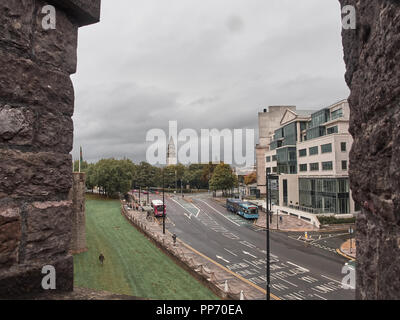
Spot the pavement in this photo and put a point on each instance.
(348, 248)
(284, 223)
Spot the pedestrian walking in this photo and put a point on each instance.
(101, 258)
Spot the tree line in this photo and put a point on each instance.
(114, 176)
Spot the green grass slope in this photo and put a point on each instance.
(133, 265)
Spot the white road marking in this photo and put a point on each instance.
(252, 264)
(285, 280)
(249, 254)
(223, 259)
(220, 213)
(302, 268)
(335, 281)
(198, 210)
(230, 252)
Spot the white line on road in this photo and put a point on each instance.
(230, 252)
(220, 213)
(285, 280)
(198, 210)
(298, 266)
(336, 281)
(252, 264)
(322, 298)
(223, 259)
(249, 254)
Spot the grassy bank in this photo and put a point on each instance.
(133, 265)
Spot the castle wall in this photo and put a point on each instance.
(78, 228)
(36, 135)
(372, 55)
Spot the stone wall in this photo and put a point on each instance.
(77, 196)
(372, 57)
(36, 134)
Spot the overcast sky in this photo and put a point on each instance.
(207, 64)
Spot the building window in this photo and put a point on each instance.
(343, 146)
(312, 151)
(268, 159)
(273, 158)
(327, 165)
(275, 169)
(303, 167)
(332, 130)
(344, 165)
(268, 170)
(337, 114)
(325, 148)
(303, 153)
(314, 166)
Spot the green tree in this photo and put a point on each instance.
(223, 178)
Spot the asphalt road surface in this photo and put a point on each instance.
(299, 271)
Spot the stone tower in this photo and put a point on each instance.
(171, 153)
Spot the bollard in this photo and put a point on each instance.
(226, 288)
(241, 295)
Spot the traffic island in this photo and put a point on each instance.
(348, 249)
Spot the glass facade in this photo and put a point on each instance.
(315, 133)
(325, 195)
(332, 130)
(337, 114)
(287, 160)
(290, 135)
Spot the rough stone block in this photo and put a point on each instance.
(36, 175)
(23, 279)
(54, 132)
(22, 81)
(56, 46)
(16, 22)
(48, 230)
(16, 125)
(10, 235)
(43, 131)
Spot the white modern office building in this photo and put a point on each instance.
(307, 156)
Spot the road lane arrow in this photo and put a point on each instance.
(218, 257)
(245, 252)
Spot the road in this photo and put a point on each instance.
(299, 271)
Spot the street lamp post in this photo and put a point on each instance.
(163, 200)
(139, 195)
(268, 240)
(148, 195)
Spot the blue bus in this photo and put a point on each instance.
(242, 208)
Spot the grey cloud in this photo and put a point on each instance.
(206, 64)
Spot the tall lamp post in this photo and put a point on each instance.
(163, 200)
(267, 210)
